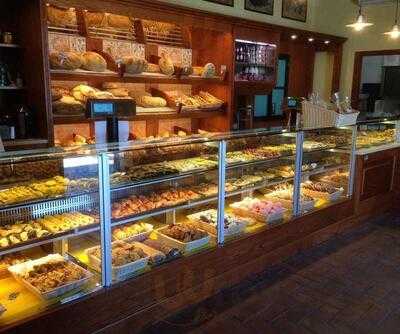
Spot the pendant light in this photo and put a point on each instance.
(395, 32)
(361, 21)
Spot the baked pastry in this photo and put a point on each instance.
(184, 233)
(119, 92)
(103, 95)
(150, 102)
(65, 60)
(166, 64)
(92, 61)
(83, 92)
(95, 20)
(68, 105)
(58, 92)
(61, 17)
(134, 65)
(111, 85)
(119, 21)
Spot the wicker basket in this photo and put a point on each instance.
(314, 116)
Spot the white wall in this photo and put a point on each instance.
(323, 72)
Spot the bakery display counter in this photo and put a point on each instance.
(377, 135)
(74, 222)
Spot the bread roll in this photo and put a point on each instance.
(65, 60)
(92, 61)
(58, 92)
(83, 92)
(103, 95)
(134, 65)
(67, 105)
(135, 94)
(111, 85)
(95, 20)
(60, 17)
(119, 92)
(166, 64)
(151, 102)
(119, 21)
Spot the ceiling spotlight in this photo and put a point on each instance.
(395, 32)
(311, 39)
(293, 37)
(361, 22)
(327, 42)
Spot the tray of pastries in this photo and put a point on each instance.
(66, 221)
(191, 164)
(127, 258)
(260, 209)
(337, 178)
(51, 276)
(284, 195)
(186, 237)
(21, 233)
(9, 260)
(137, 231)
(134, 205)
(207, 221)
(169, 252)
(321, 190)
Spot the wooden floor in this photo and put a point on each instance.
(350, 284)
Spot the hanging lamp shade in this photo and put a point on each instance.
(361, 22)
(395, 32)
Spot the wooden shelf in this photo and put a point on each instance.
(15, 144)
(10, 46)
(142, 117)
(80, 75)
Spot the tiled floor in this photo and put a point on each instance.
(350, 284)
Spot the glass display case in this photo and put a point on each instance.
(75, 222)
(377, 135)
(49, 213)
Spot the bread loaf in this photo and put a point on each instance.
(65, 60)
(134, 65)
(58, 92)
(95, 20)
(83, 92)
(60, 17)
(136, 94)
(103, 95)
(111, 85)
(153, 68)
(67, 105)
(150, 102)
(166, 64)
(119, 92)
(119, 21)
(92, 61)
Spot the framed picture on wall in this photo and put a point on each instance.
(260, 6)
(295, 10)
(222, 2)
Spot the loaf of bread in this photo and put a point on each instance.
(166, 64)
(119, 22)
(92, 61)
(60, 17)
(136, 94)
(198, 70)
(150, 102)
(58, 92)
(83, 92)
(95, 20)
(119, 92)
(103, 95)
(111, 85)
(65, 60)
(67, 105)
(134, 65)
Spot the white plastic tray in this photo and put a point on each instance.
(119, 272)
(54, 293)
(182, 246)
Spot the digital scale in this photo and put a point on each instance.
(108, 116)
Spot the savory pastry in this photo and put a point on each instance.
(119, 92)
(21, 232)
(150, 102)
(92, 61)
(68, 105)
(131, 230)
(61, 17)
(65, 60)
(166, 64)
(134, 65)
(65, 222)
(103, 95)
(83, 92)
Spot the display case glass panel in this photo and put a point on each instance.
(379, 134)
(326, 168)
(49, 217)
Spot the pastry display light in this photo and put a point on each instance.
(361, 22)
(311, 39)
(395, 32)
(293, 37)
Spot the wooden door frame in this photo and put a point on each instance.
(358, 60)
